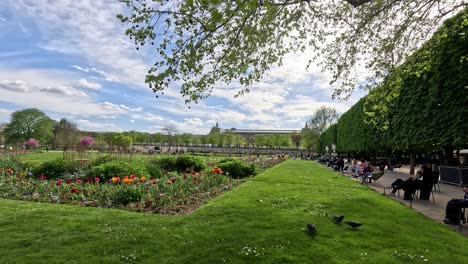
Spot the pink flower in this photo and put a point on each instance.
(32, 143)
(86, 142)
(97, 179)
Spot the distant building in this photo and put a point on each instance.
(253, 132)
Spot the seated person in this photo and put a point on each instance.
(453, 209)
(367, 173)
(409, 186)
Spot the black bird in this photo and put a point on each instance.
(354, 225)
(338, 218)
(312, 229)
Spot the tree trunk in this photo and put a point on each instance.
(412, 163)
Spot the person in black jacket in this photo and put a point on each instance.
(453, 209)
(409, 186)
(427, 182)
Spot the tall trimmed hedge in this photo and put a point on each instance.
(421, 106)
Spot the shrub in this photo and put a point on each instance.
(185, 162)
(127, 195)
(226, 160)
(102, 160)
(154, 169)
(118, 168)
(238, 168)
(167, 163)
(55, 169)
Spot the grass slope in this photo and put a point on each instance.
(261, 221)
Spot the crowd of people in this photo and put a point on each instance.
(423, 181)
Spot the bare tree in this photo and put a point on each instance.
(171, 131)
(296, 138)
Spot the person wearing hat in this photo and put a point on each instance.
(453, 209)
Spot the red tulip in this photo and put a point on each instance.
(73, 190)
(97, 179)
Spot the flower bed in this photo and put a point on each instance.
(263, 163)
(172, 193)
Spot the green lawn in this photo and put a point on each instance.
(261, 221)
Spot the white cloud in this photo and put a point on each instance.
(85, 83)
(147, 117)
(88, 125)
(102, 74)
(109, 116)
(14, 86)
(88, 29)
(63, 90)
(51, 92)
(138, 109)
(193, 121)
(119, 108)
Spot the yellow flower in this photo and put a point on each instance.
(143, 178)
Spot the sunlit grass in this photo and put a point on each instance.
(261, 221)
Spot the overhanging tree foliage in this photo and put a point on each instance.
(421, 106)
(201, 42)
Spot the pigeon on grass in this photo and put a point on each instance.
(312, 229)
(338, 218)
(354, 225)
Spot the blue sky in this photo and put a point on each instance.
(71, 59)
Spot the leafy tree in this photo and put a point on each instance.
(322, 119)
(157, 138)
(186, 138)
(65, 134)
(202, 42)
(29, 123)
(310, 138)
(204, 139)
(264, 140)
(228, 138)
(196, 140)
(122, 141)
(280, 140)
